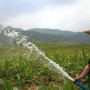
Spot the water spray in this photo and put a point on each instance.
(23, 40)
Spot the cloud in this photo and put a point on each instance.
(81, 19)
(16, 7)
(50, 17)
(1, 5)
(73, 17)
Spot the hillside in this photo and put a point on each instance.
(80, 37)
(46, 35)
(53, 31)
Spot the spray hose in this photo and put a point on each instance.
(83, 87)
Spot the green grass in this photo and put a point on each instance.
(20, 69)
(72, 58)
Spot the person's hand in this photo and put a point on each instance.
(78, 78)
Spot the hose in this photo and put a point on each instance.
(81, 85)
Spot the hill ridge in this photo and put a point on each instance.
(47, 35)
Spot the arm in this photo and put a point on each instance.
(84, 73)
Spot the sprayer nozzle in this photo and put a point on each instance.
(81, 85)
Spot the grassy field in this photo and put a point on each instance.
(67, 56)
(22, 70)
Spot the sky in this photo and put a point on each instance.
(70, 15)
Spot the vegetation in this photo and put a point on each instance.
(67, 56)
(20, 69)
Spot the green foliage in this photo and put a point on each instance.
(84, 57)
(19, 69)
(71, 57)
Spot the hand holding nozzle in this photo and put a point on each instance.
(80, 78)
(78, 81)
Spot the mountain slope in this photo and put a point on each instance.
(53, 31)
(80, 37)
(46, 36)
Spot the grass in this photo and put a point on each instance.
(22, 70)
(67, 56)
(19, 70)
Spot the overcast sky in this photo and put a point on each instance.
(72, 15)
